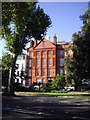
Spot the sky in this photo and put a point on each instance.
(65, 19)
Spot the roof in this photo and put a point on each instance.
(48, 44)
(40, 45)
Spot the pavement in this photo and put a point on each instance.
(38, 107)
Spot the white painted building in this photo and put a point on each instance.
(21, 65)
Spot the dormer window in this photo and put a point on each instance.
(44, 43)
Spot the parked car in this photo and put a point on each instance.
(85, 87)
(88, 87)
(36, 87)
(69, 88)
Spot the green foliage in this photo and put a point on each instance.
(47, 87)
(6, 61)
(54, 85)
(78, 67)
(22, 21)
(69, 67)
(59, 91)
(59, 82)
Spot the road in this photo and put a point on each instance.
(37, 107)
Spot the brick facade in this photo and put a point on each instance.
(43, 60)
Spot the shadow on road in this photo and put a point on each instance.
(36, 107)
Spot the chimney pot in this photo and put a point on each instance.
(35, 42)
(31, 43)
(55, 39)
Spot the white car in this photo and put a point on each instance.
(68, 88)
(36, 87)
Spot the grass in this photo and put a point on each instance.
(74, 94)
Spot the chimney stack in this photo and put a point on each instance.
(31, 43)
(35, 42)
(55, 39)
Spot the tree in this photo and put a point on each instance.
(47, 87)
(85, 49)
(59, 82)
(68, 68)
(5, 63)
(79, 66)
(20, 23)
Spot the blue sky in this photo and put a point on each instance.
(65, 19)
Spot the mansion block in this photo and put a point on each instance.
(45, 60)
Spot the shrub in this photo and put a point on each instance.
(58, 83)
(47, 87)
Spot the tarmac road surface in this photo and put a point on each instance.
(37, 107)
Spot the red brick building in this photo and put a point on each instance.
(45, 60)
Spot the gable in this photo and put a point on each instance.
(48, 44)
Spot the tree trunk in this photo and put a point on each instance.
(76, 85)
(12, 76)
